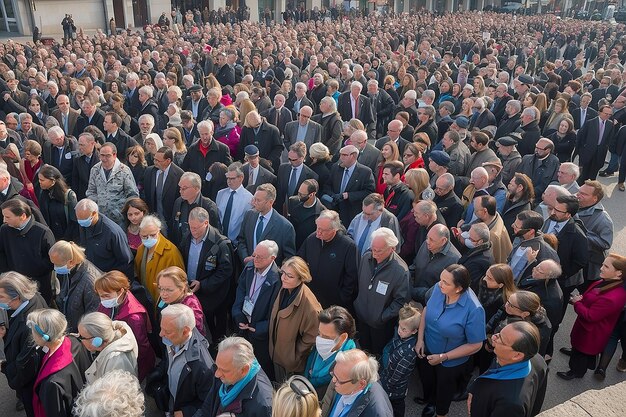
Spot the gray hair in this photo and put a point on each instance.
(480, 103)
(243, 353)
(330, 102)
(448, 106)
(17, 285)
(482, 230)
(206, 124)
(147, 117)
(147, 90)
(429, 94)
(364, 367)
(356, 84)
(182, 314)
(448, 179)
(426, 207)
(515, 104)
(270, 245)
(25, 116)
(116, 394)
(56, 131)
(333, 216)
(100, 325)
(193, 178)
(557, 189)
(429, 110)
(318, 150)
(530, 111)
(199, 214)
(150, 220)
(571, 168)
(132, 76)
(554, 269)
(52, 322)
(87, 204)
(441, 230)
(388, 236)
(236, 168)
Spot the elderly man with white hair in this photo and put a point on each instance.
(331, 123)
(240, 386)
(59, 151)
(383, 288)
(183, 379)
(148, 105)
(567, 176)
(353, 105)
(382, 105)
(299, 100)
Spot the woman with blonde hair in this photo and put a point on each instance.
(74, 276)
(296, 397)
(245, 107)
(555, 116)
(388, 153)
(119, 303)
(173, 288)
(479, 86)
(173, 139)
(294, 321)
(112, 341)
(541, 103)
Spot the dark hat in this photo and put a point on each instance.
(526, 79)
(251, 150)
(441, 158)
(507, 141)
(462, 122)
(195, 88)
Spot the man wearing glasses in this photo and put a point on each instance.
(516, 383)
(291, 175)
(542, 167)
(593, 142)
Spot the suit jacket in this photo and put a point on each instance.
(122, 142)
(285, 117)
(37, 133)
(132, 105)
(277, 229)
(170, 189)
(366, 113)
(97, 120)
(369, 157)
(290, 104)
(66, 163)
(150, 107)
(576, 115)
(588, 149)
(313, 133)
(267, 140)
(284, 174)
(73, 124)
(201, 106)
(81, 171)
(499, 107)
(264, 176)
(484, 119)
(360, 185)
(401, 142)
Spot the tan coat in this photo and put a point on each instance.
(293, 330)
(500, 241)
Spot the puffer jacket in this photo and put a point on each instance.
(120, 354)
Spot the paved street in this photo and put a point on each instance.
(558, 390)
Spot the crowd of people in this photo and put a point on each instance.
(298, 219)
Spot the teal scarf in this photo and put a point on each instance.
(508, 372)
(228, 394)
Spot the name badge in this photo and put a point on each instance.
(248, 306)
(210, 263)
(381, 288)
(68, 155)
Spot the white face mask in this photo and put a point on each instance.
(324, 347)
(110, 303)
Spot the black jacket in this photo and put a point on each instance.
(573, 251)
(331, 130)
(179, 225)
(507, 126)
(450, 207)
(80, 173)
(170, 189)
(360, 185)
(334, 268)
(196, 162)
(399, 200)
(66, 162)
(477, 261)
(122, 142)
(267, 140)
(282, 187)
(530, 135)
(510, 212)
(303, 219)
(77, 295)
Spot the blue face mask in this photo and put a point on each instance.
(167, 342)
(150, 242)
(85, 222)
(4, 306)
(62, 270)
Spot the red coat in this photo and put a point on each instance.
(597, 315)
(135, 315)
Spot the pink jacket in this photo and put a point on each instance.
(597, 315)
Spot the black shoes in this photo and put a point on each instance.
(566, 351)
(569, 375)
(429, 411)
(419, 400)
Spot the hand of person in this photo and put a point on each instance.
(178, 413)
(6, 96)
(252, 329)
(531, 255)
(419, 348)
(435, 359)
(460, 223)
(29, 186)
(194, 285)
(469, 404)
(345, 196)
(575, 298)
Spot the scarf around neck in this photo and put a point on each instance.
(228, 394)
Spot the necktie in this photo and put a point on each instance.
(344, 181)
(159, 192)
(251, 177)
(227, 212)
(110, 138)
(259, 230)
(292, 182)
(601, 131)
(356, 108)
(364, 235)
(277, 117)
(583, 115)
(65, 124)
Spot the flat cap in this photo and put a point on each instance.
(441, 158)
(526, 79)
(462, 122)
(195, 88)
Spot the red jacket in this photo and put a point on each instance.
(135, 315)
(597, 315)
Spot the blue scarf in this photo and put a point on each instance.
(228, 395)
(508, 372)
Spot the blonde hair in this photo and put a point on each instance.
(410, 315)
(417, 179)
(288, 403)
(68, 251)
(178, 277)
(300, 267)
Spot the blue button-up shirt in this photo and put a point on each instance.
(194, 256)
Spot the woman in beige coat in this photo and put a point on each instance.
(115, 342)
(293, 323)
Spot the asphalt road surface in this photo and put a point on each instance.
(558, 391)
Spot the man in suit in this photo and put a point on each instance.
(299, 100)
(264, 136)
(146, 126)
(542, 167)
(510, 120)
(160, 92)
(303, 129)
(225, 74)
(382, 105)
(258, 287)
(371, 218)
(353, 105)
(350, 182)
(233, 201)
(593, 143)
(368, 154)
(584, 113)
(291, 175)
(59, 152)
(188, 128)
(115, 135)
(195, 103)
(393, 133)
(482, 115)
(131, 102)
(254, 173)
(161, 185)
(92, 116)
(83, 162)
(278, 115)
(66, 116)
(148, 105)
(263, 223)
(210, 268)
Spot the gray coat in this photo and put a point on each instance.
(111, 194)
(377, 304)
(599, 235)
(76, 294)
(459, 158)
(428, 268)
(313, 133)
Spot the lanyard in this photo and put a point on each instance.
(254, 290)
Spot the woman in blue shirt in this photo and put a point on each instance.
(451, 331)
(336, 330)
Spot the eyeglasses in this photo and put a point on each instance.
(294, 159)
(510, 304)
(167, 290)
(497, 337)
(338, 381)
(290, 276)
(81, 338)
